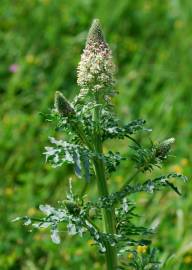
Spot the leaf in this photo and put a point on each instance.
(55, 236)
(46, 209)
(173, 187)
(77, 164)
(85, 167)
(112, 128)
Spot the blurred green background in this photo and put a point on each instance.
(41, 43)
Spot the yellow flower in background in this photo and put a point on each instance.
(130, 256)
(163, 55)
(31, 211)
(187, 259)
(31, 59)
(147, 6)
(131, 45)
(38, 237)
(184, 161)
(65, 256)
(97, 265)
(79, 252)
(119, 179)
(179, 24)
(90, 242)
(45, 2)
(176, 168)
(142, 249)
(8, 191)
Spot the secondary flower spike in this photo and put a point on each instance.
(164, 147)
(95, 71)
(62, 105)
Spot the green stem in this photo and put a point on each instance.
(108, 215)
(84, 189)
(77, 127)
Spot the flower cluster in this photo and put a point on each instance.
(95, 71)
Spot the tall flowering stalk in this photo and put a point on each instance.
(96, 76)
(88, 122)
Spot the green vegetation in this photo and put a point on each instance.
(41, 41)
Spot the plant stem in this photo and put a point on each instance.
(77, 127)
(108, 215)
(84, 189)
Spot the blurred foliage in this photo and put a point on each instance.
(41, 42)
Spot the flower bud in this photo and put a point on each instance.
(95, 71)
(62, 105)
(163, 148)
(72, 207)
(95, 34)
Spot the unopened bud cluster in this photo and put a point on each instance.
(163, 148)
(62, 105)
(95, 70)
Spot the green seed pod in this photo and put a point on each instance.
(62, 105)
